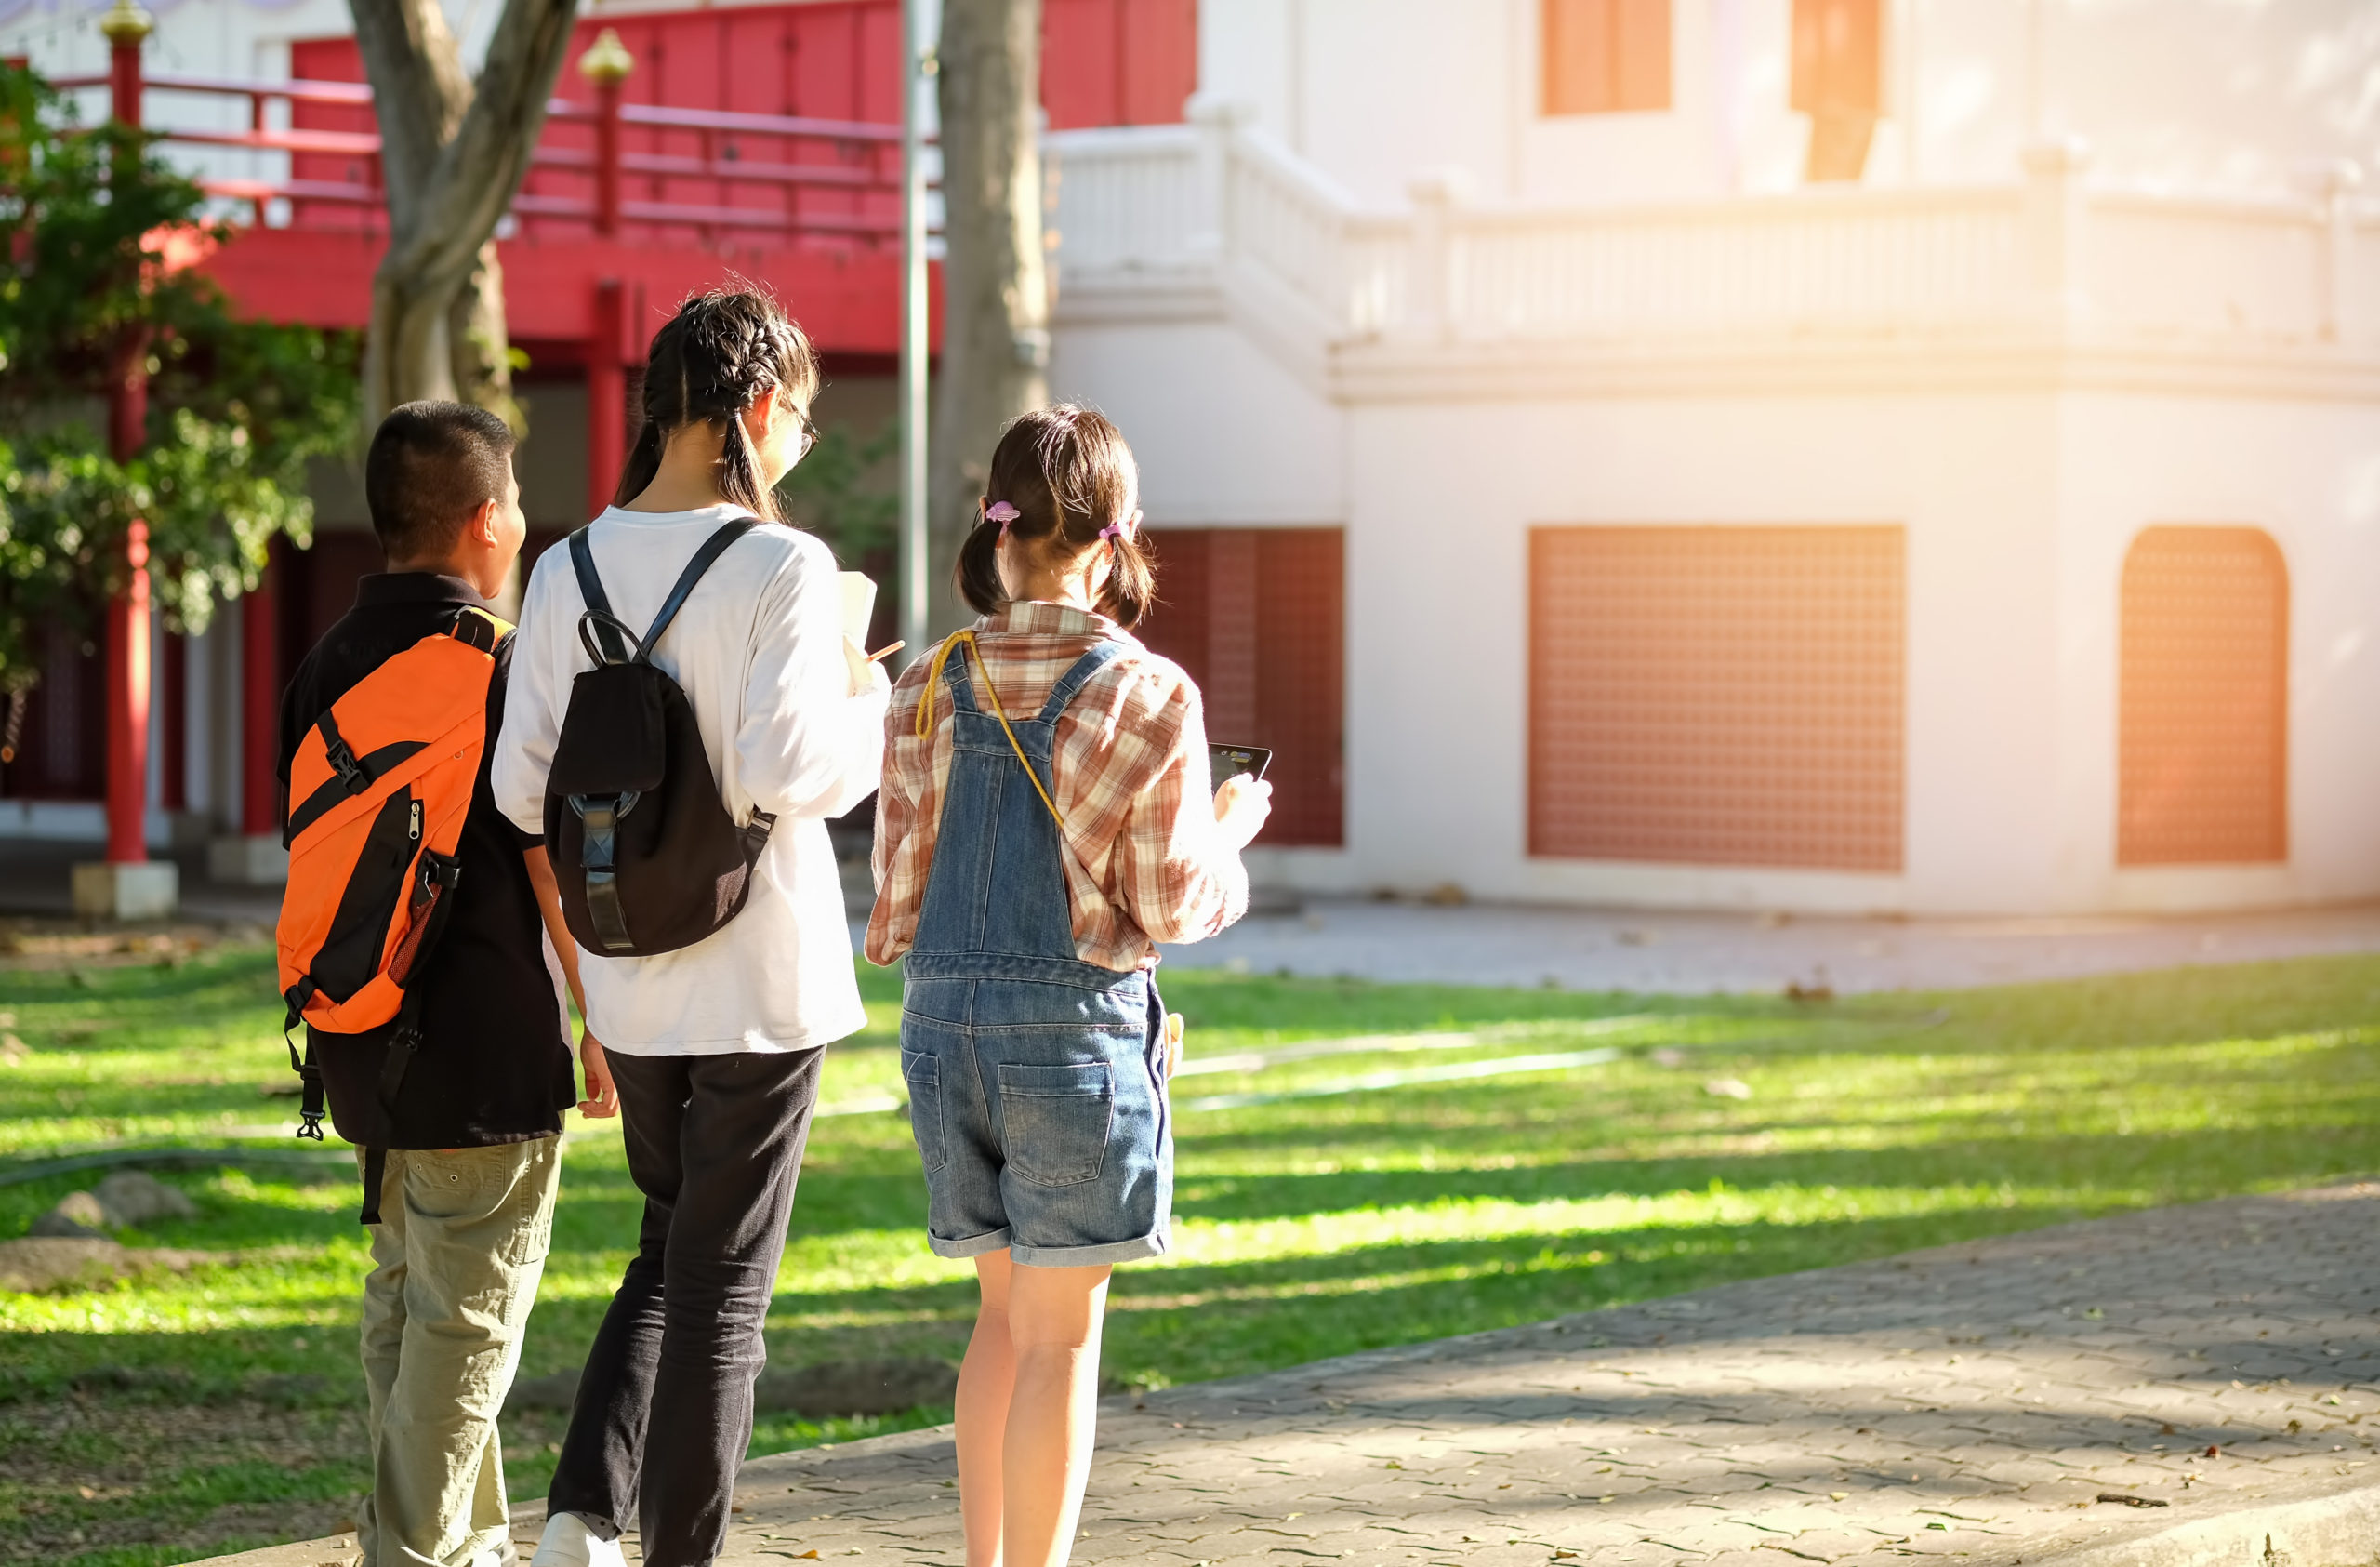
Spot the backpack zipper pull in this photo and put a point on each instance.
(413, 824)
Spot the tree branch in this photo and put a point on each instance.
(419, 93)
(481, 168)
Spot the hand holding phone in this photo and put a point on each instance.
(1226, 763)
(1243, 800)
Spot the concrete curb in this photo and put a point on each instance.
(2341, 1529)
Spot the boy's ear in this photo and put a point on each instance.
(481, 529)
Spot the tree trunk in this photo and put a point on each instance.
(996, 294)
(453, 154)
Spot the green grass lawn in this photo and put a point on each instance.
(179, 1415)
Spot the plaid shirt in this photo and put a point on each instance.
(1142, 859)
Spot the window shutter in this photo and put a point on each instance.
(1717, 696)
(1838, 56)
(1641, 54)
(1605, 56)
(1258, 617)
(2203, 743)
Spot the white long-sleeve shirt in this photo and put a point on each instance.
(758, 651)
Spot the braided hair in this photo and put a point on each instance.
(711, 362)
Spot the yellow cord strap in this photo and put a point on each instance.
(933, 684)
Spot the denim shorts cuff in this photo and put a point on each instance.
(973, 1246)
(1153, 1244)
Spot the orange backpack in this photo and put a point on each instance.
(378, 792)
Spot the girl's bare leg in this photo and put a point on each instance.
(1028, 1397)
(1054, 1317)
(986, 1380)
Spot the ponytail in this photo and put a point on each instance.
(978, 572)
(644, 461)
(721, 354)
(1130, 592)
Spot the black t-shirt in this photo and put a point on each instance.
(493, 1065)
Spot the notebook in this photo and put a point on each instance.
(859, 605)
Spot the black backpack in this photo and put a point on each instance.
(647, 857)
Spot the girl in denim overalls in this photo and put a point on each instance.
(1046, 818)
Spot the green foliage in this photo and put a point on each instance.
(94, 228)
(838, 493)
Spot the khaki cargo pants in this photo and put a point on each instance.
(456, 1256)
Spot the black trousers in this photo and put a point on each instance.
(714, 1142)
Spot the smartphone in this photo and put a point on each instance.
(1231, 762)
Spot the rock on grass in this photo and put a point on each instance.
(41, 1262)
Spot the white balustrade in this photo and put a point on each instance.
(1870, 262)
(1126, 199)
(2046, 254)
(2193, 270)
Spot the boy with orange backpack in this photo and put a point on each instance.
(413, 947)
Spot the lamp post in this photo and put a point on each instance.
(605, 65)
(614, 343)
(917, 69)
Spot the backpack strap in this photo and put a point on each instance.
(375, 1175)
(600, 818)
(605, 635)
(309, 1076)
(713, 547)
(608, 645)
(477, 627)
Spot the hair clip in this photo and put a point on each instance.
(1001, 512)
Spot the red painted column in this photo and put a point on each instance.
(260, 701)
(607, 395)
(127, 615)
(129, 707)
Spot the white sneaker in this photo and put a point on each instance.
(567, 1542)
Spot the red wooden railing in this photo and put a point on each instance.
(779, 152)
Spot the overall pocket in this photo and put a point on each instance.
(922, 1074)
(1055, 1121)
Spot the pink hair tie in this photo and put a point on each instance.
(1001, 512)
(1121, 530)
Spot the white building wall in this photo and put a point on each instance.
(1444, 497)
(2181, 93)
(2309, 475)
(1226, 436)
(2018, 507)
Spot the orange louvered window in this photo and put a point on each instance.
(1838, 55)
(1258, 617)
(1717, 696)
(2204, 753)
(1604, 56)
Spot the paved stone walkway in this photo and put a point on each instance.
(1697, 952)
(2001, 1402)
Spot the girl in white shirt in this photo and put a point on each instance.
(715, 1047)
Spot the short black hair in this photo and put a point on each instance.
(431, 465)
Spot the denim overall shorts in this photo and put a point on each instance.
(1034, 1077)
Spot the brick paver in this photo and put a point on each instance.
(1972, 1401)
